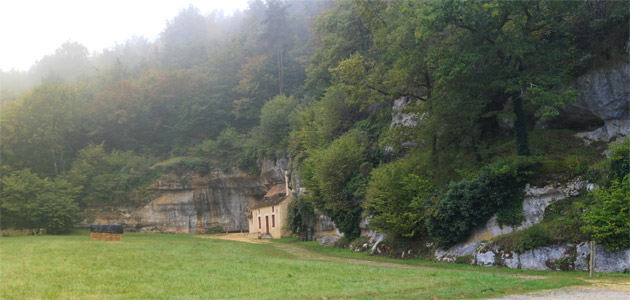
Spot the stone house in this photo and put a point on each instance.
(268, 217)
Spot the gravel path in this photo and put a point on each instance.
(573, 293)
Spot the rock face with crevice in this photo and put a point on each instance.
(603, 107)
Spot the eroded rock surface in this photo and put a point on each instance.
(559, 258)
(193, 203)
(534, 204)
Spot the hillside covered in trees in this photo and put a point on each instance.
(316, 80)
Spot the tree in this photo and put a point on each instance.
(608, 218)
(185, 39)
(276, 121)
(69, 61)
(275, 33)
(522, 47)
(341, 32)
(334, 175)
(46, 123)
(29, 202)
(395, 198)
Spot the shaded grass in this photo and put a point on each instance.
(151, 266)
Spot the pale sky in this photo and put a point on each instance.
(30, 29)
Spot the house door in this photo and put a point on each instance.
(267, 222)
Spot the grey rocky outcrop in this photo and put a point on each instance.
(603, 107)
(564, 257)
(534, 203)
(557, 257)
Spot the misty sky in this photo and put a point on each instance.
(30, 29)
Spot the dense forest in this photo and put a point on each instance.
(316, 80)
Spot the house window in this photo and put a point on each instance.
(272, 208)
(259, 223)
(273, 220)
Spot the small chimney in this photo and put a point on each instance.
(286, 182)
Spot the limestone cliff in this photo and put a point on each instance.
(188, 202)
(556, 257)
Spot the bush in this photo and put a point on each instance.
(334, 176)
(395, 197)
(471, 203)
(29, 202)
(620, 159)
(608, 217)
(300, 215)
(342, 243)
(215, 229)
(357, 244)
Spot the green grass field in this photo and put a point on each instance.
(154, 266)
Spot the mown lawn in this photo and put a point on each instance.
(154, 266)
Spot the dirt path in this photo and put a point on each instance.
(304, 253)
(599, 289)
(574, 293)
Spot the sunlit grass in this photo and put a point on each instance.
(151, 266)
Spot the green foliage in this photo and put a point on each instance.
(608, 217)
(323, 121)
(395, 197)
(471, 202)
(358, 242)
(342, 243)
(112, 178)
(562, 223)
(619, 159)
(334, 176)
(29, 202)
(39, 129)
(230, 148)
(276, 122)
(300, 215)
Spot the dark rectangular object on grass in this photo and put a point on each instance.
(106, 232)
(107, 228)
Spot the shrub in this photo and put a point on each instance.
(470, 203)
(358, 242)
(620, 159)
(300, 215)
(342, 242)
(215, 229)
(395, 197)
(561, 224)
(333, 175)
(534, 237)
(29, 202)
(608, 217)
